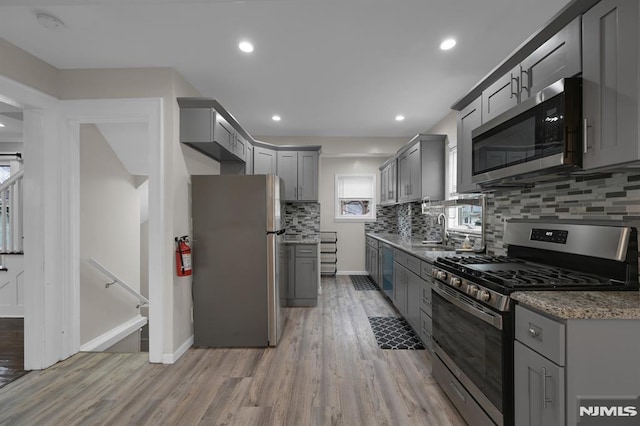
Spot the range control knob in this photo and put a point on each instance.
(434, 272)
(484, 295)
(472, 290)
(442, 275)
(456, 282)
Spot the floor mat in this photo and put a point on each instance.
(363, 282)
(394, 333)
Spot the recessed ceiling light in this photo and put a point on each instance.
(399, 117)
(276, 118)
(447, 44)
(1, 125)
(50, 22)
(245, 46)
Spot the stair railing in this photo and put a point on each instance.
(11, 224)
(142, 301)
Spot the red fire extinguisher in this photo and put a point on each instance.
(183, 256)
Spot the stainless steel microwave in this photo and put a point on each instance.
(540, 136)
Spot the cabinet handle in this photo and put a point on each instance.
(522, 81)
(300, 191)
(517, 86)
(533, 332)
(545, 400)
(585, 136)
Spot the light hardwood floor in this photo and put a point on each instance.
(327, 370)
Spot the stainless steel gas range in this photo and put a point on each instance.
(472, 309)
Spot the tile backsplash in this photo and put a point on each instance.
(604, 197)
(302, 219)
(614, 196)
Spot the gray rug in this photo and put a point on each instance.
(394, 333)
(363, 282)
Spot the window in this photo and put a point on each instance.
(453, 171)
(355, 197)
(5, 173)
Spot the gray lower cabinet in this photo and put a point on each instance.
(414, 298)
(468, 119)
(538, 389)
(400, 285)
(302, 275)
(264, 161)
(610, 83)
(559, 363)
(408, 288)
(371, 261)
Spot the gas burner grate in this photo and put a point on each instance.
(551, 276)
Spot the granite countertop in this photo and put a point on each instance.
(298, 239)
(412, 246)
(583, 304)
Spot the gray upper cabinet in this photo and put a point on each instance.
(308, 175)
(264, 161)
(207, 131)
(288, 171)
(432, 166)
(559, 57)
(299, 171)
(501, 95)
(468, 119)
(610, 84)
(249, 164)
(417, 172)
(388, 182)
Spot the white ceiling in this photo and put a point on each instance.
(328, 67)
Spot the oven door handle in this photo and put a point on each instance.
(493, 320)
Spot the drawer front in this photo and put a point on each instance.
(400, 257)
(372, 242)
(425, 270)
(307, 250)
(542, 334)
(466, 405)
(414, 264)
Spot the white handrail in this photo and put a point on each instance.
(11, 214)
(141, 299)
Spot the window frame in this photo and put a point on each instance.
(338, 217)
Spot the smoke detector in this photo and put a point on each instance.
(50, 22)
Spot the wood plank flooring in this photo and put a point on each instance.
(11, 349)
(327, 370)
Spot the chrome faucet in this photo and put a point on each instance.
(442, 220)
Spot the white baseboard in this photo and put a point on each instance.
(172, 358)
(352, 273)
(113, 336)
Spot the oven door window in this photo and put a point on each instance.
(476, 347)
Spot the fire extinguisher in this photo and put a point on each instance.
(183, 256)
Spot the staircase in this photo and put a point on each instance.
(11, 228)
(11, 247)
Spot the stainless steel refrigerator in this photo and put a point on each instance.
(239, 282)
